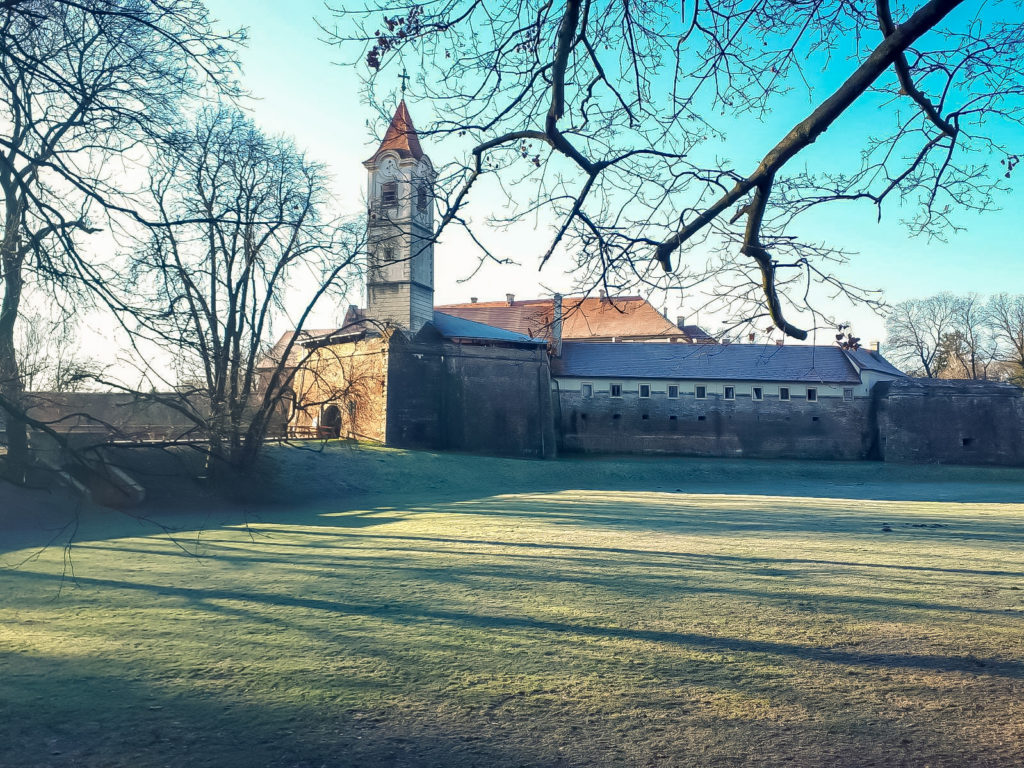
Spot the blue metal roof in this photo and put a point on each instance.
(873, 361)
(452, 327)
(733, 362)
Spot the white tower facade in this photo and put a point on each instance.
(400, 226)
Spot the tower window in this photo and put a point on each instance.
(389, 194)
(421, 197)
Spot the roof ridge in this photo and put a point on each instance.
(517, 302)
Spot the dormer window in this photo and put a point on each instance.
(389, 194)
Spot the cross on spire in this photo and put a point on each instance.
(404, 77)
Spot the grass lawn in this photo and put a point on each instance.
(444, 610)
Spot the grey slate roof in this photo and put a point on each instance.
(698, 334)
(732, 362)
(873, 361)
(452, 327)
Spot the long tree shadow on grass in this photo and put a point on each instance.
(677, 574)
(207, 599)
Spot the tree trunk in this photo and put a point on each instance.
(10, 377)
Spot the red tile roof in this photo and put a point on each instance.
(583, 319)
(401, 136)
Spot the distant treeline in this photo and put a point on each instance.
(950, 336)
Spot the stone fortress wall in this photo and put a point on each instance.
(910, 420)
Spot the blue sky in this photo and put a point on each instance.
(304, 89)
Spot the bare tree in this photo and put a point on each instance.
(244, 216)
(969, 350)
(616, 119)
(1005, 318)
(915, 330)
(83, 84)
(49, 356)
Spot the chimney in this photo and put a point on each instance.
(751, 337)
(875, 346)
(680, 321)
(556, 324)
(472, 299)
(603, 295)
(510, 297)
(779, 342)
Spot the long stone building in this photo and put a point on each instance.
(601, 374)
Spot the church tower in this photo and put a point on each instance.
(400, 224)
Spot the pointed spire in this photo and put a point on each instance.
(401, 136)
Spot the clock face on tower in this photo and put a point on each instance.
(388, 168)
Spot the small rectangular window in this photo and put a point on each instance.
(757, 393)
(615, 390)
(586, 390)
(701, 392)
(673, 391)
(645, 390)
(730, 393)
(812, 395)
(783, 393)
(389, 194)
(847, 393)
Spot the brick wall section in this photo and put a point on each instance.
(350, 376)
(831, 428)
(94, 418)
(109, 415)
(951, 422)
